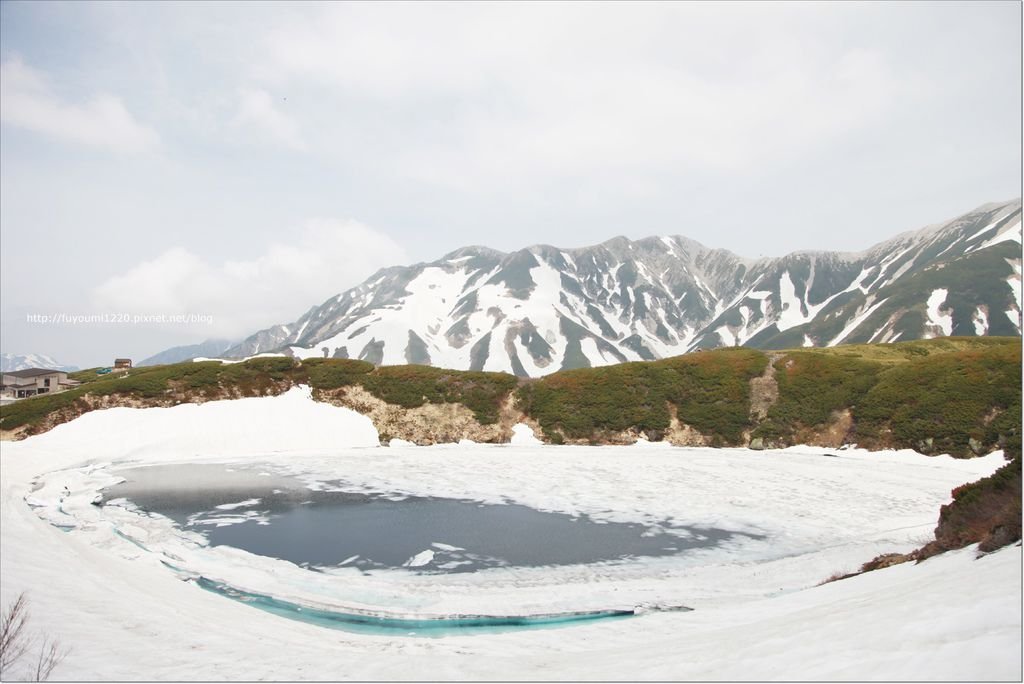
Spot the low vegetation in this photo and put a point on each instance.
(958, 402)
(960, 396)
(986, 512)
(812, 388)
(407, 386)
(335, 373)
(711, 390)
(412, 386)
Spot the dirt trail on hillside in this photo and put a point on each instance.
(764, 390)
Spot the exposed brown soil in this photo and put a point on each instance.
(423, 425)
(764, 390)
(681, 434)
(833, 435)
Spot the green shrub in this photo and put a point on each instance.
(711, 391)
(987, 512)
(579, 402)
(948, 399)
(812, 386)
(335, 373)
(949, 391)
(88, 375)
(412, 386)
(274, 366)
(32, 411)
(205, 374)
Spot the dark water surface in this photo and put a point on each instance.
(324, 528)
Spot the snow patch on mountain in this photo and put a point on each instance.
(865, 311)
(543, 309)
(1014, 281)
(265, 355)
(16, 362)
(206, 349)
(980, 321)
(937, 318)
(1011, 232)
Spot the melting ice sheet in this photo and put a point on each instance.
(784, 521)
(322, 525)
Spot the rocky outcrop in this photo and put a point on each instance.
(986, 513)
(424, 425)
(681, 434)
(833, 434)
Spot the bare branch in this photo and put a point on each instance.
(14, 641)
(50, 656)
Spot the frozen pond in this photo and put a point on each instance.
(325, 526)
(122, 588)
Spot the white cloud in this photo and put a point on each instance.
(26, 101)
(512, 93)
(326, 257)
(259, 115)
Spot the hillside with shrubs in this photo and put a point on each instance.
(960, 396)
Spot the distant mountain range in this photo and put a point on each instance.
(187, 352)
(542, 308)
(16, 362)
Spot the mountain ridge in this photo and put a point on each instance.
(544, 308)
(15, 362)
(187, 352)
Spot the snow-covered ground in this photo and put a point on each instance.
(758, 613)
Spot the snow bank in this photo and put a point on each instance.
(103, 588)
(522, 435)
(265, 355)
(288, 422)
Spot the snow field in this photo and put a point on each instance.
(758, 613)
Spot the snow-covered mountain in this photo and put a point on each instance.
(16, 362)
(542, 309)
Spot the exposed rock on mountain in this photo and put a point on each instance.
(544, 309)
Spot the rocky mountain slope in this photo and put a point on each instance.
(544, 309)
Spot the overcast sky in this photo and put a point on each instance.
(248, 161)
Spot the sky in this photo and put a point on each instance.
(234, 164)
